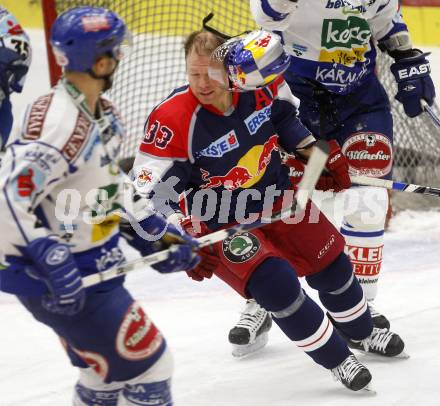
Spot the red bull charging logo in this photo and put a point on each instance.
(248, 171)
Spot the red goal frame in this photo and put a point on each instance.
(49, 16)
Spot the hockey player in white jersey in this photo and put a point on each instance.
(332, 72)
(60, 203)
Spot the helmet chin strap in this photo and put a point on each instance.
(108, 78)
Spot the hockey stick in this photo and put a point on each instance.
(430, 111)
(313, 169)
(399, 186)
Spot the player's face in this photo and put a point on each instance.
(105, 67)
(204, 88)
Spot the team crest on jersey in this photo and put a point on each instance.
(138, 338)
(240, 247)
(368, 154)
(145, 176)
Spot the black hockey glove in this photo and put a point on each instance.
(412, 73)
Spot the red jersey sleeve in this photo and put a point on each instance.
(162, 168)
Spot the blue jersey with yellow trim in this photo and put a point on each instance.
(225, 164)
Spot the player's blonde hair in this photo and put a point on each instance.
(202, 42)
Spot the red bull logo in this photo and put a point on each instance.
(269, 146)
(235, 178)
(263, 42)
(145, 176)
(248, 171)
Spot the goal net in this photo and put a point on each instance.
(156, 66)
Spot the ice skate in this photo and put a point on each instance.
(352, 374)
(379, 320)
(380, 341)
(251, 332)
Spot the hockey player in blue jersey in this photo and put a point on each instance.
(332, 45)
(15, 58)
(220, 150)
(67, 150)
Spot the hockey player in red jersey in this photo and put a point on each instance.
(67, 135)
(219, 148)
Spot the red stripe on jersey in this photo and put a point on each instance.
(168, 127)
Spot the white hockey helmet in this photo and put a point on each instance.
(250, 61)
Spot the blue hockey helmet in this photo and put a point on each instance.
(15, 53)
(80, 35)
(251, 61)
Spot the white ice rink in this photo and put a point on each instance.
(196, 317)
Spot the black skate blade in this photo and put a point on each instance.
(243, 351)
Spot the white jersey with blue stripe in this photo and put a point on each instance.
(60, 177)
(331, 41)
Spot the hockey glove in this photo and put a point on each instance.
(337, 166)
(337, 177)
(181, 245)
(296, 167)
(13, 69)
(414, 82)
(209, 260)
(55, 265)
